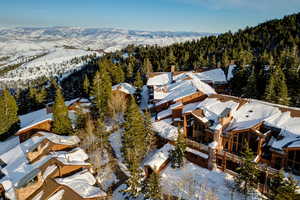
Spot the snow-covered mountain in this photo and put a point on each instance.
(46, 51)
(108, 39)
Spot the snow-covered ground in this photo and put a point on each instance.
(56, 46)
(193, 182)
(115, 140)
(57, 62)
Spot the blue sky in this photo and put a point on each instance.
(173, 15)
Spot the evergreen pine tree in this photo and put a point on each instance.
(134, 182)
(9, 122)
(150, 138)
(138, 80)
(101, 92)
(86, 86)
(247, 178)
(270, 94)
(287, 190)
(276, 181)
(171, 58)
(147, 66)
(177, 154)
(250, 90)
(225, 59)
(151, 187)
(61, 121)
(282, 95)
(134, 137)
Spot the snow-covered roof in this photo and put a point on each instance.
(58, 195)
(75, 157)
(82, 183)
(60, 139)
(165, 130)
(190, 107)
(160, 79)
(183, 90)
(164, 114)
(214, 75)
(255, 112)
(33, 118)
(18, 170)
(159, 157)
(198, 153)
(124, 87)
(213, 107)
(201, 86)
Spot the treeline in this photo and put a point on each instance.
(267, 57)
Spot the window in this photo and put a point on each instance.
(294, 161)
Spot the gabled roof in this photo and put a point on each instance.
(124, 87)
(82, 183)
(159, 78)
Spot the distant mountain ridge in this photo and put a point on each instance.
(54, 48)
(84, 32)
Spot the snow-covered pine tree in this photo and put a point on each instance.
(134, 182)
(61, 121)
(286, 189)
(177, 154)
(9, 122)
(151, 187)
(247, 178)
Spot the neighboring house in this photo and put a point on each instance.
(218, 127)
(29, 168)
(41, 120)
(124, 89)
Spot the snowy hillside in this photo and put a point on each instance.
(51, 51)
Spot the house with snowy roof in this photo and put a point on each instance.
(41, 120)
(182, 91)
(158, 82)
(124, 89)
(33, 169)
(219, 127)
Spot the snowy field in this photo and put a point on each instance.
(57, 46)
(193, 182)
(57, 61)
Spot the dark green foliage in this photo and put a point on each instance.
(134, 139)
(61, 121)
(86, 86)
(150, 137)
(101, 90)
(147, 66)
(276, 89)
(177, 154)
(138, 80)
(151, 187)
(9, 120)
(248, 173)
(250, 90)
(134, 182)
(287, 190)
